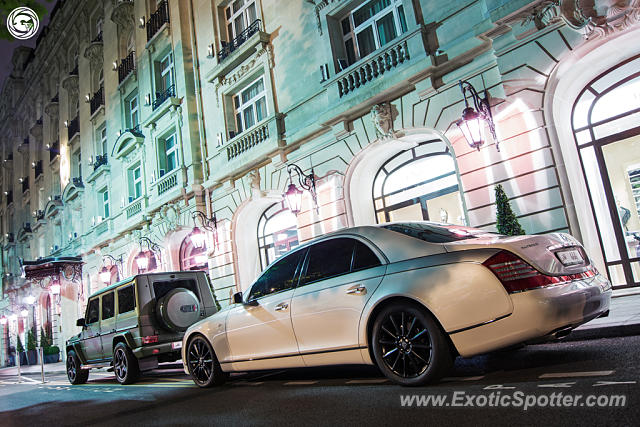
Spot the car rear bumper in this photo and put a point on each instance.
(538, 313)
(156, 350)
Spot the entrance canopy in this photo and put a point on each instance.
(42, 268)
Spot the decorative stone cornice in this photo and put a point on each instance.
(600, 18)
(70, 84)
(122, 15)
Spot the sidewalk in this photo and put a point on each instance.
(623, 320)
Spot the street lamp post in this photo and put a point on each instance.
(474, 117)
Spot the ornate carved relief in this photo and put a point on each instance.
(600, 18)
(383, 115)
(93, 53)
(122, 15)
(70, 84)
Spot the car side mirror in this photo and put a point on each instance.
(237, 298)
(80, 322)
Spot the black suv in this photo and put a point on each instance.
(133, 325)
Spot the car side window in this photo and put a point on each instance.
(364, 257)
(126, 299)
(93, 311)
(328, 259)
(279, 277)
(107, 306)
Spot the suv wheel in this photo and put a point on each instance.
(125, 364)
(75, 374)
(409, 347)
(203, 364)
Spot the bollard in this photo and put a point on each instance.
(42, 363)
(19, 376)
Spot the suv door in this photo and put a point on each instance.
(338, 278)
(259, 331)
(107, 324)
(92, 346)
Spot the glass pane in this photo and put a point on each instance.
(171, 161)
(403, 20)
(635, 268)
(239, 25)
(248, 117)
(582, 110)
(170, 142)
(138, 190)
(386, 29)
(237, 5)
(261, 108)
(407, 213)
(339, 251)
(419, 171)
(596, 188)
(278, 277)
(346, 27)
(107, 306)
(126, 299)
(363, 257)
(351, 51)
(93, 311)
(616, 75)
(617, 126)
(239, 123)
(251, 13)
(583, 137)
(366, 43)
(446, 208)
(616, 275)
(620, 100)
(623, 166)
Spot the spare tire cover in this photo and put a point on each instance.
(179, 309)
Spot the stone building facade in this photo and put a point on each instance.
(128, 118)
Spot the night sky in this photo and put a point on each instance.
(7, 47)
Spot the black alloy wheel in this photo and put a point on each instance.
(125, 364)
(409, 346)
(203, 364)
(75, 373)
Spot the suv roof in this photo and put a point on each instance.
(131, 278)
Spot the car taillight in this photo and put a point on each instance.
(149, 339)
(517, 275)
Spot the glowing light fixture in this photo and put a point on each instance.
(475, 117)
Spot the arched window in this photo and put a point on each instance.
(277, 233)
(605, 124)
(419, 184)
(192, 258)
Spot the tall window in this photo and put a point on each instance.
(103, 202)
(102, 141)
(99, 24)
(277, 233)
(132, 111)
(250, 105)
(371, 26)
(164, 71)
(168, 154)
(77, 163)
(239, 15)
(192, 258)
(419, 184)
(135, 182)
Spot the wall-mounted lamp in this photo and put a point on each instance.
(114, 67)
(199, 237)
(146, 259)
(106, 272)
(24, 312)
(293, 195)
(210, 51)
(87, 98)
(147, 99)
(3, 320)
(30, 299)
(141, 21)
(55, 287)
(66, 123)
(472, 122)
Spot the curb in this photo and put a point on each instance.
(612, 331)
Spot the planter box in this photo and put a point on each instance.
(51, 358)
(32, 356)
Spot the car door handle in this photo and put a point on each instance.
(282, 306)
(357, 290)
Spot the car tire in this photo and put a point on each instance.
(408, 345)
(203, 364)
(125, 364)
(75, 373)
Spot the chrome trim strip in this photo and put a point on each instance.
(296, 354)
(479, 324)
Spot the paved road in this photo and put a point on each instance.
(546, 374)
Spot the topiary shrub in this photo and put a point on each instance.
(506, 221)
(31, 340)
(19, 346)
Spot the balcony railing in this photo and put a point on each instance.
(99, 161)
(26, 227)
(247, 140)
(73, 127)
(98, 38)
(162, 96)
(157, 19)
(77, 182)
(54, 150)
(134, 208)
(38, 169)
(228, 48)
(97, 100)
(102, 228)
(373, 68)
(127, 66)
(167, 182)
(39, 215)
(25, 184)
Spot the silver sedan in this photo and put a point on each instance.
(407, 297)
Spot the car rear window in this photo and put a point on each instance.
(161, 288)
(433, 233)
